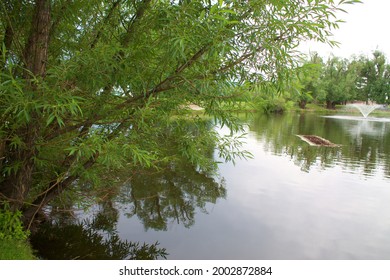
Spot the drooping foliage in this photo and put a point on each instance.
(91, 86)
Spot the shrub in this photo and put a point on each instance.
(11, 226)
(273, 105)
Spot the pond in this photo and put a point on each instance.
(291, 201)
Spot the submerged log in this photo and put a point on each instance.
(314, 140)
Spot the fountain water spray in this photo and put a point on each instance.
(364, 109)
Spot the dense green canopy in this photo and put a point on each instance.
(340, 80)
(91, 87)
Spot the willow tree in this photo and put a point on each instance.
(91, 86)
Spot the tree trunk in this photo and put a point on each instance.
(302, 104)
(330, 105)
(15, 187)
(36, 50)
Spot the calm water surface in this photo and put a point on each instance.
(292, 201)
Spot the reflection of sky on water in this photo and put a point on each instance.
(273, 210)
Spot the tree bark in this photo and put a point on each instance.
(36, 50)
(330, 105)
(16, 187)
(302, 104)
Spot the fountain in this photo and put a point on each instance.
(365, 109)
(364, 124)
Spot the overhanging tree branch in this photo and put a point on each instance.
(108, 16)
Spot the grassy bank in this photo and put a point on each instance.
(14, 243)
(271, 107)
(15, 250)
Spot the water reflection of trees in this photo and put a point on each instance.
(175, 189)
(365, 146)
(172, 190)
(89, 240)
(172, 194)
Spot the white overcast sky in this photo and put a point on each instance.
(366, 28)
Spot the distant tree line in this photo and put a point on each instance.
(339, 80)
(329, 82)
